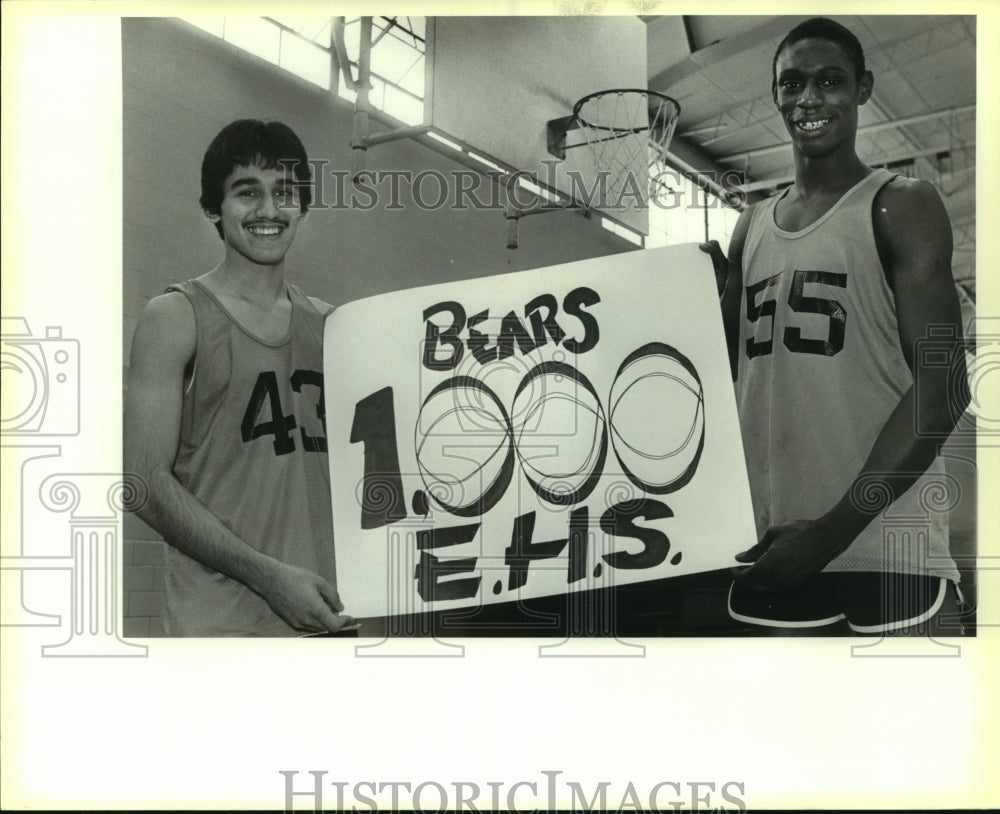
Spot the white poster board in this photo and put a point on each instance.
(532, 434)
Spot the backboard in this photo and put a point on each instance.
(494, 83)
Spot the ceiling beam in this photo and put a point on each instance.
(768, 183)
(699, 59)
(862, 131)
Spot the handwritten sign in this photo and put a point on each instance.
(532, 434)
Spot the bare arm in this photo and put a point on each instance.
(163, 345)
(729, 280)
(915, 241)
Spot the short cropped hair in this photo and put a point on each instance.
(824, 29)
(252, 142)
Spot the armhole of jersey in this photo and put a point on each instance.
(191, 368)
(755, 216)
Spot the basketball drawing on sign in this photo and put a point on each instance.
(465, 452)
(556, 405)
(658, 418)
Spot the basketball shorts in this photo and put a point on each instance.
(870, 602)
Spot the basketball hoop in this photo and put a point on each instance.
(628, 131)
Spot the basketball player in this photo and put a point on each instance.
(829, 286)
(224, 417)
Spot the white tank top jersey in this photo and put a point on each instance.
(820, 372)
(252, 449)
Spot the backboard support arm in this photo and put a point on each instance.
(361, 136)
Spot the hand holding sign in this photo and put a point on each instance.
(303, 599)
(789, 554)
(720, 263)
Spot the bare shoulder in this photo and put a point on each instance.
(910, 211)
(912, 235)
(166, 328)
(171, 305)
(902, 192)
(169, 313)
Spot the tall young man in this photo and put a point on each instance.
(829, 286)
(224, 416)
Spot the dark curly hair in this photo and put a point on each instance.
(252, 142)
(824, 29)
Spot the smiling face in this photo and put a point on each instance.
(817, 93)
(259, 214)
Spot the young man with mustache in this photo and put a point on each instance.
(224, 417)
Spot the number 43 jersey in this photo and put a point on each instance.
(253, 450)
(820, 372)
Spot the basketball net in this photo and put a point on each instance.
(628, 132)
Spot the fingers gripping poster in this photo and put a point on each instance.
(534, 433)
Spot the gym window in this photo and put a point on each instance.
(302, 46)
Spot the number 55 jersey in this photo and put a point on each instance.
(820, 372)
(253, 450)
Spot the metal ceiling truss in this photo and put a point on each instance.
(932, 40)
(925, 43)
(862, 131)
